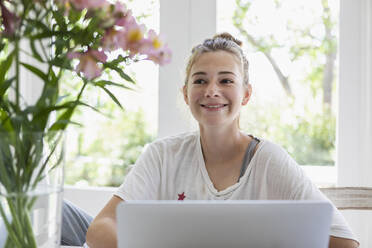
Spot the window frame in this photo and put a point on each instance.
(354, 120)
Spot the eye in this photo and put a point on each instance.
(227, 81)
(199, 81)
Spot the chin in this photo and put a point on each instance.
(215, 123)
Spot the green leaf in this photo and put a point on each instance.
(61, 62)
(5, 85)
(4, 66)
(5, 125)
(38, 24)
(2, 45)
(118, 60)
(124, 75)
(4, 176)
(48, 109)
(89, 106)
(36, 71)
(62, 121)
(48, 34)
(103, 83)
(58, 16)
(74, 16)
(76, 123)
(113, 97)
(68, 105)
(35, 53)
(48, 97)
(119, 71)
(41, 114)
(60, 45)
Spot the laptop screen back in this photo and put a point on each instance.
(233, 224)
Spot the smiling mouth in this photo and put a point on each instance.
(214, 106)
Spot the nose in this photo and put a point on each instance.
(212, 89)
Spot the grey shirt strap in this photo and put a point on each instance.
(248, 155)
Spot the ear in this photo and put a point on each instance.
(247, 94)
(184, 90)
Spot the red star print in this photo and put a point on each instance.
(182, 196)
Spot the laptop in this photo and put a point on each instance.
(223, 224)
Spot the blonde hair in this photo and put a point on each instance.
(219, 42)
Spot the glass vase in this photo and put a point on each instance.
(31, 185)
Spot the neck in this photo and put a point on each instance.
(222, 144)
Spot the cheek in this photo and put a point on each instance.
(194, 95)
(235, 95)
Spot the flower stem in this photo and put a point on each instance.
(19, 227)
(17, 88)
(30, 235)
(11, 234)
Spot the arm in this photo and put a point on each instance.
(336, 242)
(141, 183)
(102, 232)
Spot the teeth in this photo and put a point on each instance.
(214, 106)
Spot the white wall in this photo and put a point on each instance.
(184, 23)
(90, 199)
(354, 134)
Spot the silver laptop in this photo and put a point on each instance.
(223, 224)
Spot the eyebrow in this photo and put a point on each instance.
(204, 73)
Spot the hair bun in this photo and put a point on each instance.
(227, 36)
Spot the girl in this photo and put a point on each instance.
(219, 161)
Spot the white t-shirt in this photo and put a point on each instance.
(173, 168)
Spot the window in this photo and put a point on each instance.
(292, 47)
(99, 151)
(292, 50)
(180, 22)
(353, 134)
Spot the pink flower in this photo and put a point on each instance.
(89, 4)
(10, 20)
(132, 36)
(156, 50)
(155, 40)
(123, 36)
(111, 39)
(88, 62)
(160, 56)
(99, 55)
(120, 9)
(122, 14)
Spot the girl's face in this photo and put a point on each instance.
(215, 91)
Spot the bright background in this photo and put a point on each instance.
(292, 33)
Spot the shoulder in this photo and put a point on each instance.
(176, 143)
(284, 178)
(269, 150)
(275, 158)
